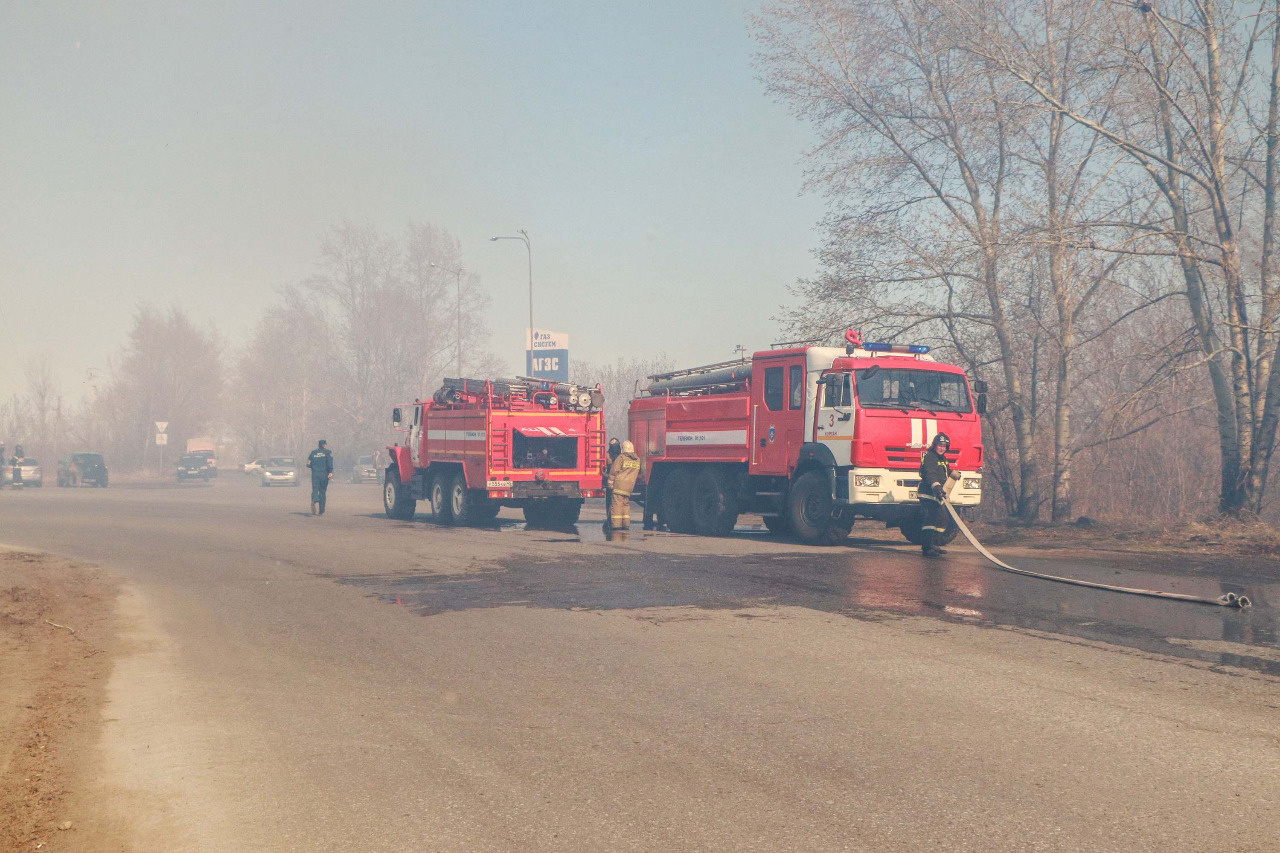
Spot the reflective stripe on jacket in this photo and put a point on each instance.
(934, 471)
(623, 473)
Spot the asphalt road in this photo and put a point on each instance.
(354, 683)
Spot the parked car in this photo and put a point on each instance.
(365, 471)
(193, 467)
(80, 469)
(31, 474)
(255, 466)
(280, 471)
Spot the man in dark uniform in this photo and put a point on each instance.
(321, 464)
(934, 473)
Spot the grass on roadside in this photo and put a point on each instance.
(1221, 537)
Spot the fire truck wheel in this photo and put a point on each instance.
(461, 502)
(439, 492)
(809, 507)
(535, 514)
(714, 507)
(565, 513)
(396, 498)
(911, 530)
(676, 509)
(837, 532)
(486, 510)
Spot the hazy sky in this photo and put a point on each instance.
(194, 153)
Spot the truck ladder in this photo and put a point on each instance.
(499, 450)
(596, 448)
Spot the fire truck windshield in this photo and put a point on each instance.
(905, 388)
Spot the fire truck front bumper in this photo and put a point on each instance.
(885, 486)
(545, 489)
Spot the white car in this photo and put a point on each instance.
(32, 475)
(279, 471)
(254, 466)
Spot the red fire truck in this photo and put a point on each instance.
(479, 445)
(809, 437)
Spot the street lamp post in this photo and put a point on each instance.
(458, 274)
(524, 235)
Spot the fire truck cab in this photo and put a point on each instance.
(479, 445)
(810, 437)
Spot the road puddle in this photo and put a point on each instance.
(862, 582)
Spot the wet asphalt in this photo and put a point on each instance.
(862, 579)
(286, 682)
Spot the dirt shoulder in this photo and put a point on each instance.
(56, 637)
(1245, 549)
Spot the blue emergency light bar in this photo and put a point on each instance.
(917, 349)
(855, 342)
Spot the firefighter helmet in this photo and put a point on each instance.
(941, 440)
(628, 447)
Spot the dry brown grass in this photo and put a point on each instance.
(1221, 537)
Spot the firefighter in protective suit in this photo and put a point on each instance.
(934, 473)
(622, 479)
(615, 449)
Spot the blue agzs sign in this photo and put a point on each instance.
(547, 355)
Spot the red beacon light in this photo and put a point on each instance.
(855, 342)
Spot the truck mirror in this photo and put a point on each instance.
(833, 381)
(979, 386)
(395, 417)
(982, 403)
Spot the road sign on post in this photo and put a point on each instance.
(162, 439)
(547, 355)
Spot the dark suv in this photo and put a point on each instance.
(194, 467)
(80, 469)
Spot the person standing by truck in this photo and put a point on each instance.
(615, 448)
(622, 479)
(935, 471)
(321, 464)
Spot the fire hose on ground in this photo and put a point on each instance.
(1230, 599)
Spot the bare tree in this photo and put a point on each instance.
(34, 418)
(283, 380)
(380, 323)
(170, 369)
(917, 158)
(621, 382)
(1199, 120)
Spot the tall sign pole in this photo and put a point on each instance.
(524, 235)
(162, 441)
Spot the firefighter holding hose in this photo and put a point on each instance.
(622, 479)
(935, 471)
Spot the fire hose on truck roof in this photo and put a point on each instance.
(454, 391)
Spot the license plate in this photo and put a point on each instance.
(498, 484)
